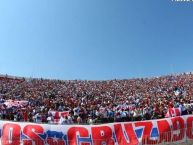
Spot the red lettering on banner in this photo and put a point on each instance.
(147, 132)
(178, 125)
(72, 135)
(51, 141)
(101, 135)
(129, 132)
(164, 131)
(11, 134)
(124, 133)
(189, 127)
(31, 131)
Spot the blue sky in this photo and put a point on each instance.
(95, 39)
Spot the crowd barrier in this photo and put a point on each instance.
(174, 130)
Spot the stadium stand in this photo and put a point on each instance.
(90, 102)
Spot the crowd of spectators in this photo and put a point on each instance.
(91, 102)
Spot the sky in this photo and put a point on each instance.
(95, 39)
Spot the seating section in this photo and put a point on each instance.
(88, 102)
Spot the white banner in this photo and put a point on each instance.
(176, 129)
